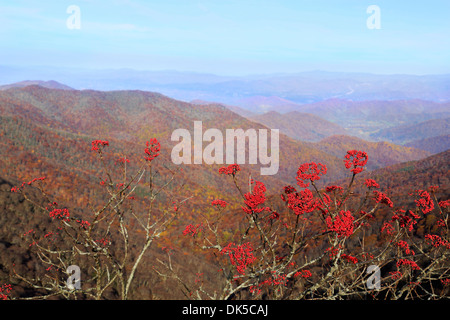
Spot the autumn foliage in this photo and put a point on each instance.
(304, 243)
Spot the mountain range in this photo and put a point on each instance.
(365, 105)
(36, 119)
(413, 123)
(50, 130)
(255, 92)
(411, 132)
(46, 129)
(51, 84)
(298, 125)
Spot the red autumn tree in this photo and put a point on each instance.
(272, 254)
(311, 246)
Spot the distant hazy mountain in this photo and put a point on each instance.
(366, 118)
(300, 126)
(259, 104)
(299, 88)
(433, 144)
(408, 133)
(45, 84)
(395, 100)
(240, 111)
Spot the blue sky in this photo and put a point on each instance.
(229, 37)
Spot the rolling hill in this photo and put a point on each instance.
(49, 125)
(367, 118)
(423, 130)
(132, 117)
(421, 174)
(261, 104)
(45, 84)
(400, 180)
(300, 126)
(381, 154)
(240, 111)
(434, 144)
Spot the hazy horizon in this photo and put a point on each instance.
(62, 70)
(232, 38)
